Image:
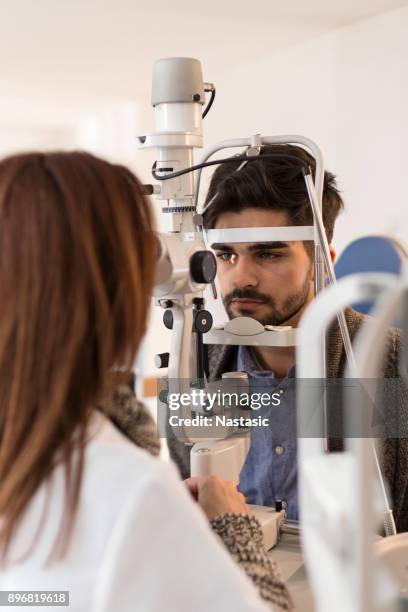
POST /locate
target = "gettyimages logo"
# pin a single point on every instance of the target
(209, 400)
(220, 408)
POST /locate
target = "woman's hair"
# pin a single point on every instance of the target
(77, 260)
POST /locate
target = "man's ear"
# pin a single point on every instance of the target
(333, 253)
(333, 256)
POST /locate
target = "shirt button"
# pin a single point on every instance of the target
(279, 450)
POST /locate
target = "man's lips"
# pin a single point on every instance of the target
(246, 303)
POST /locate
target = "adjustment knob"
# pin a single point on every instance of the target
(161, 360)
(168, 319)
(203, 267)
(202, 321)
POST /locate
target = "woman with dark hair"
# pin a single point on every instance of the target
(84, 506)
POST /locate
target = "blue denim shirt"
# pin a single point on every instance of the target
(270, 469)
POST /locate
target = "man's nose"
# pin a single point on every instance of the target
(244, 274)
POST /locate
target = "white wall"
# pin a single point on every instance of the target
(348, 90)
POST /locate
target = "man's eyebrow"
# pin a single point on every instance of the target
(255, 246)
(218, 246)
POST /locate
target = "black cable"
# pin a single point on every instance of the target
(229, 160)
(210, 103)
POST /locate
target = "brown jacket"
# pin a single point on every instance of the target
(394, 451)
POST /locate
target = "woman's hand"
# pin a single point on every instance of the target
(216, 496)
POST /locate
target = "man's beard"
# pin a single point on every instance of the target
(290, 308)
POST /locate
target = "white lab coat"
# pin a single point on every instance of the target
(139, 541)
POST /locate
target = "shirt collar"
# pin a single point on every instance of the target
(247, 362)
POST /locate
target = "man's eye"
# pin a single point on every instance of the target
(224, 256)
(268, 255)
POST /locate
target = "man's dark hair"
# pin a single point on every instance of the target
(275, 184)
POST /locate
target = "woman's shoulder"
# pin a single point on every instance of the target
(113, 461)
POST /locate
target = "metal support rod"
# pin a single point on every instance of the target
(328, 263)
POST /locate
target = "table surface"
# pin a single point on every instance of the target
(289, 557)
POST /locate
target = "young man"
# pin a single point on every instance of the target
(273, 283)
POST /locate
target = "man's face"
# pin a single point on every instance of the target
(271, 282)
